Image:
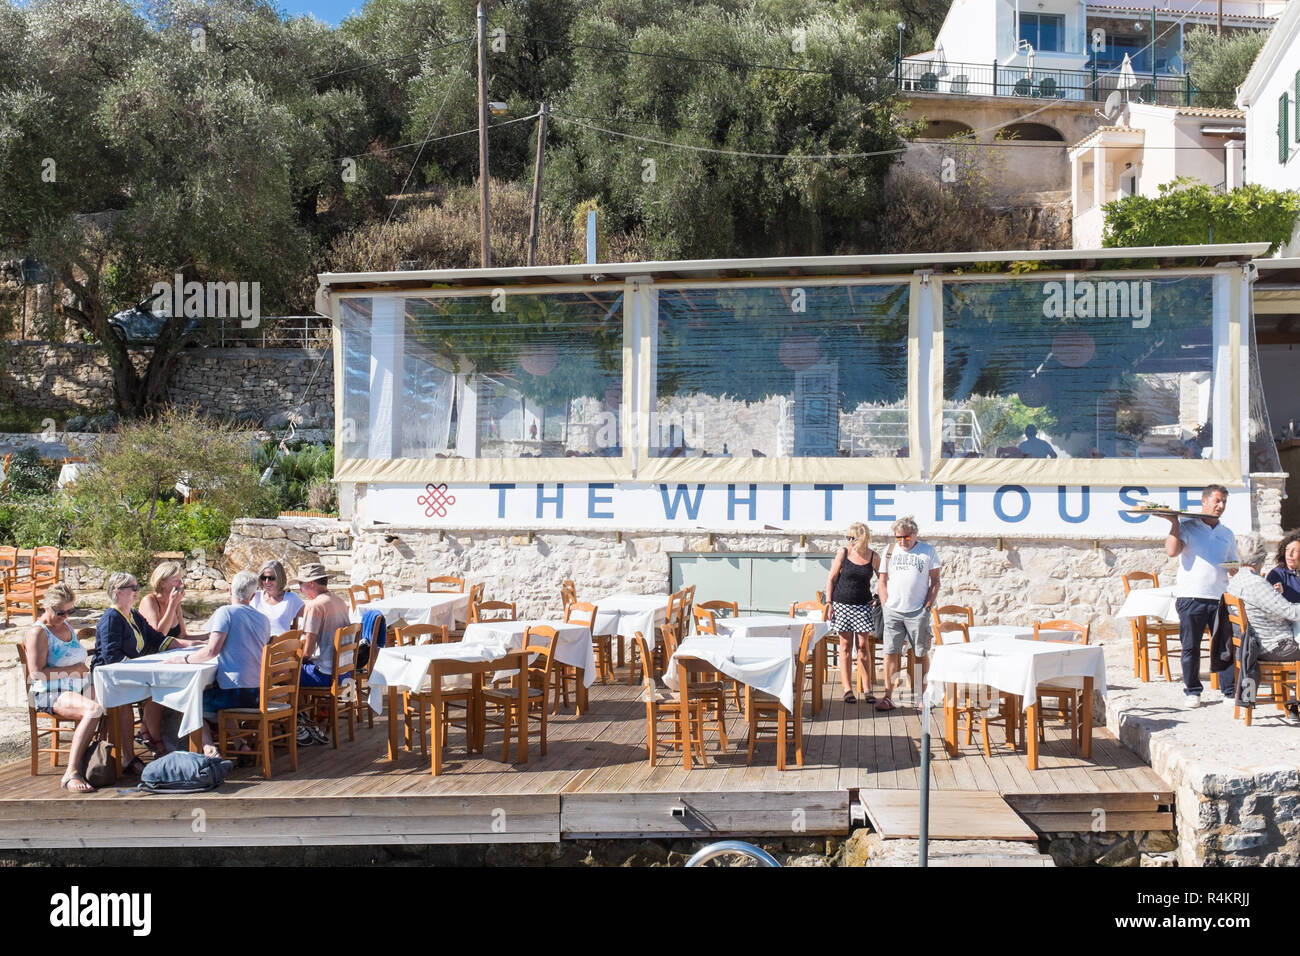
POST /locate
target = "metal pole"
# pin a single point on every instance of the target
(534, 219)
(925, 779)
(1220, 17)
(484, 217)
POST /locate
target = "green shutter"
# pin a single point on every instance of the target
(1283, 142)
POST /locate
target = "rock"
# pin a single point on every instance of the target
(858, 847)
(1158, 859)
(810, 859)
(1157, 841)
(1071, 851)
(1122, 854)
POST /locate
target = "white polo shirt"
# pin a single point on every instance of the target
(1200, 574)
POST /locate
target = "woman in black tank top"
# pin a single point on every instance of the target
(848, 588)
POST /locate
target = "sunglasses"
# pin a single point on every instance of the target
(64, 613)
(129, 587)
(267, 577)
(903, 537)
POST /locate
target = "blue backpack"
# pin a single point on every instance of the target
(374, 632)
(183, 772)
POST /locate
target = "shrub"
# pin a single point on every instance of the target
(128, 508)
(320, 496)
(1189, 213)
(27, 476)
(292, 472)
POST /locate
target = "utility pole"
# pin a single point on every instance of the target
(1220, 17)
(484, 217)
(534, 220)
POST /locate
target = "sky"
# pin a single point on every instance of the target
(330, 11)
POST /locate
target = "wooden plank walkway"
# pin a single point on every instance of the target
(954, 815)
(594, 781)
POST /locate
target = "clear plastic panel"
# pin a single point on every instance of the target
(789, 372)
(1088, 367)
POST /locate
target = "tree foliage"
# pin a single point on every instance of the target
(1219, 64)
(1190, 213)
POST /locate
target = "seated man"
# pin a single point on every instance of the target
(238, 634)
(1269, 614)
(1035, 447)
(322, 615)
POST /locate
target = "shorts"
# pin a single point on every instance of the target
(313, 676)
(224, 698)
(907, 628)
(44, 696)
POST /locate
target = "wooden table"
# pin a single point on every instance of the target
(791, 628)
(163, 677)
(1017, 668)
(437, 669)
(572, 647)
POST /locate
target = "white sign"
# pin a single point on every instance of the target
(1080, 510)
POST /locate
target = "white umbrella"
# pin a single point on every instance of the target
(1127, 78)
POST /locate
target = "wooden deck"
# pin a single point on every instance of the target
(594, 782)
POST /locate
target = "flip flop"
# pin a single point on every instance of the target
(885, 704)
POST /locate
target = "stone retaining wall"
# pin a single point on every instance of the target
(266, 383)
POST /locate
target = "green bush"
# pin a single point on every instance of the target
(293, 472)
(27, 477)
(48, 521)
(1187, 214)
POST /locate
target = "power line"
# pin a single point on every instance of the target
(435, 139)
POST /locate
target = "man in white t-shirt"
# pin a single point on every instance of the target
(909, 584)
(1202, 545)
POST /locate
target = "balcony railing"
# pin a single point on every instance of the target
(995, 79)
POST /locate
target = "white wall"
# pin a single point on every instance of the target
(967, 34)
(1262, 166)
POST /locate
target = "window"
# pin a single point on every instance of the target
(1043, 30)
(484, 376)
(781, 372)
(1101, 367)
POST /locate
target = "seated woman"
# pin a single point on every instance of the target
(59, 679)
(279, 606)
(1270, 614)
(123, 633)
(161, 607)
(1285, 577)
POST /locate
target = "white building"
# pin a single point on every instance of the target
(1148, 147)
(1064, 48)
(1271, 98)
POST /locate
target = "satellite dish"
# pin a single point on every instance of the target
(1176, 65)
(1113, 103)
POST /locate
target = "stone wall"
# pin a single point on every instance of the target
(266, 384)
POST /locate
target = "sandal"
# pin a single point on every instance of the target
(78, 781)
(868, 698)
(885, 704)
(134, 768)
(849, 698)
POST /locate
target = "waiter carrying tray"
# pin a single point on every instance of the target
(1202, 545)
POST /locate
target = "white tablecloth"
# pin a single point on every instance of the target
(164, 677)
(626, 614)
(1150, 602)
(415, 607)
(1016, 667)
(771, 625)
(406, 667)
(69, 473)
(572, 647)
(993, 632)
(763, 663)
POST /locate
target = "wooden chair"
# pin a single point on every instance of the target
(42, 724)
(1280, 677)
(568, 594)
(974, 708)
(445, 584)
(20, 597)
(420, 634)
(342, 694)
(671, 616)
(538, 676)
(358, 594)
(602, 645)
(1069, 632)
(274, 720)
(471, 609)
(1145, 629)
(706, 688)
(489, 611)
(705, 621)
(819, 611)
(9, 562)
(763, 711)
(718, 607)
(684, 620)
(664, 708)
(374, 590)
(45, 564)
